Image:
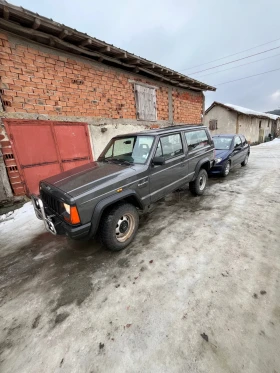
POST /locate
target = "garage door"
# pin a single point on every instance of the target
(45, 148)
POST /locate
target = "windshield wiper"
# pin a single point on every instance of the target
(123, 161)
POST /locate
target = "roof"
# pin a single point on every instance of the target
(43, 30)
(160, 131)
(243, 110)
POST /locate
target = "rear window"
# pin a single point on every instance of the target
(197, 139)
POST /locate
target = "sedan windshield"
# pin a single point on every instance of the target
(222, 143)
(132, 149)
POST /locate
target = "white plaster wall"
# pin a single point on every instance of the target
(226, 120)
(248, 126)
(100, 139)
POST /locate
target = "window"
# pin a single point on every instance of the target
(133, 149)
(213, 124)
(222, 142)
(121, 146)
(169, 146)
(146, 104)
(260, 124)
(237, 142)
(196, 139)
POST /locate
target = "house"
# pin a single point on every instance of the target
(276, 112)
(229, 119)
(64, 94)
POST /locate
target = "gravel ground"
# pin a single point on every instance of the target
(197, 291)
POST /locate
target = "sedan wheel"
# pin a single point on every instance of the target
(226, 169)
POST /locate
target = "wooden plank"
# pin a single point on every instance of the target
(105, 49)
(6, 13)
(134, 61)
(120, 55)
(85, 43)
(36, 24)
(63, 34)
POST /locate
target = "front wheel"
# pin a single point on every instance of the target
(198, 186)
(119, 226)
(245, 160)
(226, 169)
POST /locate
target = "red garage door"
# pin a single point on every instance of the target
(45, 148)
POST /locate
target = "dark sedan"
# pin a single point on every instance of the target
(231, 150)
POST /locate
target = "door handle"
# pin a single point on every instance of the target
(143, 183)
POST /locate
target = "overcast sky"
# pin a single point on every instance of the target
(181, 34)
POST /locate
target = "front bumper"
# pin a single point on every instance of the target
(55, 225)
(217, 168)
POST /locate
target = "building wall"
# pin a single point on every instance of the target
(43, 83)
(226, 120)
(41, 80)
(247, 125)
(255, 129)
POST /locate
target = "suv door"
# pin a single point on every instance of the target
(199, 146)
(237, 151)
(166, 178)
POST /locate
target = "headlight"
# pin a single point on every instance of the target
(218, 160)
(67, 208)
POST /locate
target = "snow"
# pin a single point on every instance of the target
(272, 143)
(20, 226)
(251, 112)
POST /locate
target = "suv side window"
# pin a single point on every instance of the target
(169, 146)
(196, 139)
(237, 142)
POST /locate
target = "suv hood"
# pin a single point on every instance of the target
(80, 179)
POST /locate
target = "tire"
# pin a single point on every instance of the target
(244, 163)
(119, 226)
(198, 186)
(226, 169)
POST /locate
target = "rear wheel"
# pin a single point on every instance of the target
(198, 186)
(119, 226)
(245, 160)
(226, 169)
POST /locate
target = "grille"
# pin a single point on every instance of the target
(51, 202)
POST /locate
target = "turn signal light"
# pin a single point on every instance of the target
(74, 215)
(71, 214)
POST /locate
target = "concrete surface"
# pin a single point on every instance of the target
(197, 291)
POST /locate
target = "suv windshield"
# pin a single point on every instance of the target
(132, 149)
(222, 143)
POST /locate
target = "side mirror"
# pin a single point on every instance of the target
(238, 148)
(158, 161)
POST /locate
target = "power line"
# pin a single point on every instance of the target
(246, 77)
(234, 67)
(239, 59)
(234, 54)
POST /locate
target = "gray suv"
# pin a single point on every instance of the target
(133, 171)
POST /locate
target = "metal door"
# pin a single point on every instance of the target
(166, 178)
(44, 148)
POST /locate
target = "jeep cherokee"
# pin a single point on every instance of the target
(133, 171)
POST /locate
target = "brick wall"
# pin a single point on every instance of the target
(187, 107)
(34, 81)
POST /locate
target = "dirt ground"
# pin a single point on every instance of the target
(197, 291)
